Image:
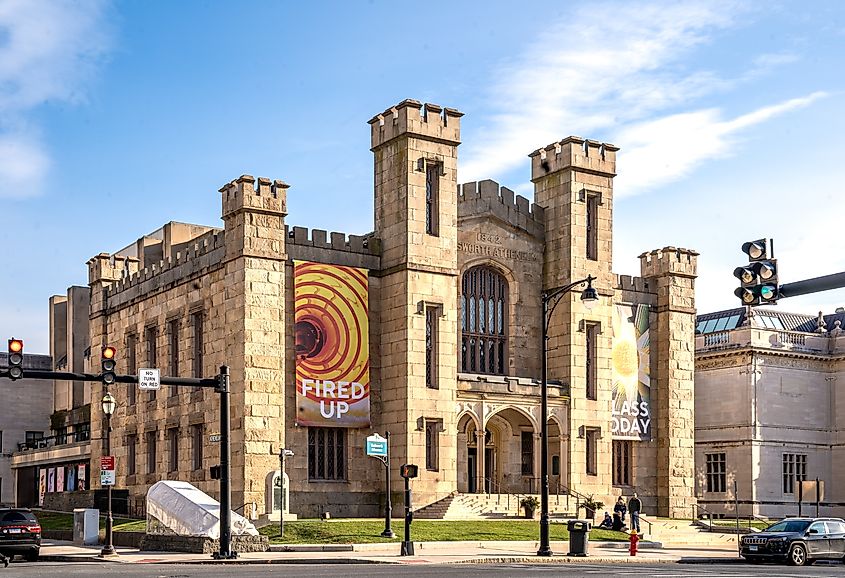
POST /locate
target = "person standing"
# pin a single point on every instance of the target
(634, 507)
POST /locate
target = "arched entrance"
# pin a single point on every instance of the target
(501, 459)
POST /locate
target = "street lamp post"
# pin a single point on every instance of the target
(283, 453)
(109, 404)
(589, 297)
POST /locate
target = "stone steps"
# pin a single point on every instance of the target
(684, 533)
(486, 507)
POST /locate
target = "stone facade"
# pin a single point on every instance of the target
(769, 396)
(465, 408)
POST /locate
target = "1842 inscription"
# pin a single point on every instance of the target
(490, 245)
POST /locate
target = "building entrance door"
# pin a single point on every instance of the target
(471, 460)
(489, 469)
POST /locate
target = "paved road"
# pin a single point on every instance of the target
(66, 570)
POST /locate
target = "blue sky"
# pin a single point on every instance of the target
(116, 117)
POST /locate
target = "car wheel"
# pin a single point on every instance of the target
(797, 555)
(31, 556)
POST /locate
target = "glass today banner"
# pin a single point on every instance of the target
(631, 377)
(332, 345)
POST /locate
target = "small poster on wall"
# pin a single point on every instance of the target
(42, 485)
(71, 479)
(60, 479)
(81, 484)
(51, 480)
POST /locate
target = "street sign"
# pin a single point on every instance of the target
(376, 446)
(107, 474)
(214, 438)
(149, 379)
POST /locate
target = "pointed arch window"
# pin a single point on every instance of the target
(484, 309)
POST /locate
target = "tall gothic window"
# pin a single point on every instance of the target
(484, 310)
(432, 198)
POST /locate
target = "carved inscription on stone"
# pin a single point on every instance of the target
(490, 245)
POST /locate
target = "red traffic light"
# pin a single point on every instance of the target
(109, 352)
(15, 358)
(15, 345)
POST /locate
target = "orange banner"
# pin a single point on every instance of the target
(332, 345)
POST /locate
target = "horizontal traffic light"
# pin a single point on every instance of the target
(15, 358)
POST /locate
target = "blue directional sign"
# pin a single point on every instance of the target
(376, 446)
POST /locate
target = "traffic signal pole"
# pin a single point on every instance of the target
(814, 285)
(221, 385)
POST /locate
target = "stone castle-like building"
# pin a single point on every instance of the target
(454, 276)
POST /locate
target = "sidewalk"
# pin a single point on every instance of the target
(424, 553)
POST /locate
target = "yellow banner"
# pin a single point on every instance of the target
(631, 373)
(332, 345)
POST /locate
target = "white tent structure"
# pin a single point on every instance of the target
(180, 508)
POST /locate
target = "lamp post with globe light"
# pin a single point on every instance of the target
(109, 405)
(589, 298)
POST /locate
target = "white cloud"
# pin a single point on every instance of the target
(606, 64)
(626, 71)
(49, 50)
(662, 150)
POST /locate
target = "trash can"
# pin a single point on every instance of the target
(86, 526)
(579, 537)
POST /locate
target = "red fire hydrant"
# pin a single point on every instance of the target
(634, 539)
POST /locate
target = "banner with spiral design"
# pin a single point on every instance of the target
(332, 332)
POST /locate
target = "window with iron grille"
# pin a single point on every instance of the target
(484, 310)
(173, 443)
(326, 453)
(152, 352)
(432, 444)
(716, 472)
(527, 462)
(622, 462)
(196, 446)
(592, 332)
(794, 471)
(432, 198)
(131, 364)
(152, 455)
(131, 457)
(592, 227)
(197, 323)
(173, 350)
(431, 316)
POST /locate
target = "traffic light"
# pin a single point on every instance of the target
(15, 358)
(409, 471)
(758, 279)
(108, 365)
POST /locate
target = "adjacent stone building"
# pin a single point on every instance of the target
(769, 408)
(448, 353)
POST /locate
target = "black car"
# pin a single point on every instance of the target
(20, 533)
(798, 541)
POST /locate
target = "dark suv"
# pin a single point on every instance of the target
(799, 541)
(20, 533)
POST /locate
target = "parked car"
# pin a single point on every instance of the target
(798, 541)
(20, 533)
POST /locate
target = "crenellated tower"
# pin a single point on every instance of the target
(254, 215)
(573, 182)
(671, 272)
(416, 205)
